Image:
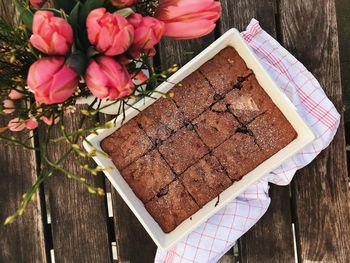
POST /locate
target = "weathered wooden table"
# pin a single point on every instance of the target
(66, 224)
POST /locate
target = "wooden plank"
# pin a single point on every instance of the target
(231, 256)
(343, 21)
(23, 240)
(238, 14)
(227, 259)
(79, 219)
(133, 242)
(271, 239)
(181, 51)
(320, 191)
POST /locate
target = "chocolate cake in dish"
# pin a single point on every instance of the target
(172, 206)
(183, 149)
(127, 144)
(239, 155)
(148, 175)
(225, 70)
(193, 95)
(214, 127)
(160, 120)
(179, 154)
(205, 180)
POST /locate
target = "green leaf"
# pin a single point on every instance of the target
(91, 52)
(74, 15)
(88, 6)
(25, 14)
(53, 10)
(78, 62)
(66, 5)
(74, 22)
(125, 11)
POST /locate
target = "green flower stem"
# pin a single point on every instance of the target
(70, 175)
(17, 142)
(97, 151)
(78, 133)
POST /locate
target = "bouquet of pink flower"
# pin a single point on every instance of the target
(72, 49)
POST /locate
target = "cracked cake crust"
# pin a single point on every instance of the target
(205, 180)
(148, 175)
(183, 149)
(127, 144)
(172, 207)
(224, 70)
(193, 95)
(160, 120)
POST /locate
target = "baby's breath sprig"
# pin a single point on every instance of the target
(50, 167)
(147, 7)
(16, 56)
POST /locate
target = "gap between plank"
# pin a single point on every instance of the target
(44, 206)
(109, 204)
(52, 255)
(114, 251)
(295, 244)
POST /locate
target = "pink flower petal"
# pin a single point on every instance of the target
(92, 24)
(39, 43)
(63, 85)
(31, 124)
(41, 71)
(96, 80)
(16, 125)
(58, 45)
(189, 30)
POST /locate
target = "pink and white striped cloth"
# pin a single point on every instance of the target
(218, 234)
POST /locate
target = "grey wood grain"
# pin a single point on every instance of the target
(320, 191)
(343, 21)
(181, 51)
(271, 239)
(79, 219)
(23, 240)
(227, 259)
(238, 14)
(133, 242)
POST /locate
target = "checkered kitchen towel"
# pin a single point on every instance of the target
(219, 233)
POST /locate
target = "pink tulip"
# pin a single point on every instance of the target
(16, 124)
(37, 3)
(31, 124)
(16, 94)
(51, 35)
(148, 32)
(106, 78)
(110, 33)
(123, 3)
(186, 19)
(9, 106)
(48, 120)
(51, 80)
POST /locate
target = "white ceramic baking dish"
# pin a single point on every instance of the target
(305, 136)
